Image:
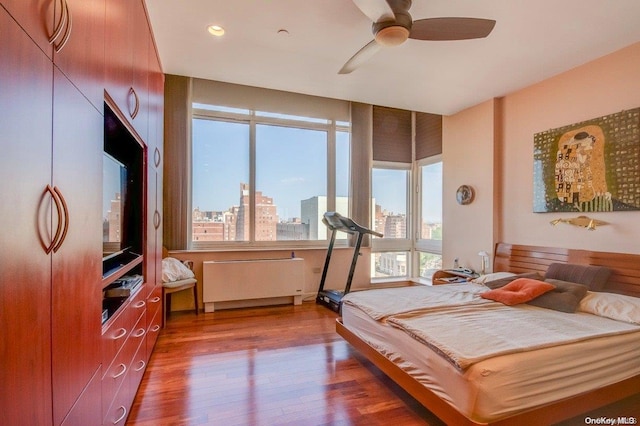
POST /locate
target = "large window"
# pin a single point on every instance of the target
(261, 177)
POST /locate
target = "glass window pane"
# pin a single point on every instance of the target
(389, 188)
(391, 264)
(431, 211)
(429, 263)
(220, 159)
(291, 183)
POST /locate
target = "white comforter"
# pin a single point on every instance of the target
(464, 328)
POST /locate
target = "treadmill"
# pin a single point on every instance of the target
(332, 299)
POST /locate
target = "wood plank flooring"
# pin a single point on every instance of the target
(282, 365)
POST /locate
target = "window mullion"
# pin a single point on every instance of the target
(252, 178)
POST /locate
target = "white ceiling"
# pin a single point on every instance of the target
(532, 40)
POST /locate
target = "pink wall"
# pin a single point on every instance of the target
(604, 86)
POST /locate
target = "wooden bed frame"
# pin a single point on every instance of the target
(625, 279)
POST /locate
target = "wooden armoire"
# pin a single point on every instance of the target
(62, 63)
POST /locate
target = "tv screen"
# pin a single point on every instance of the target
(114, 194)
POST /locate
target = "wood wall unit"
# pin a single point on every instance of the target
(58, 360)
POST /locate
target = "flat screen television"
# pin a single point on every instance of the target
(114, 194)
(122, 195)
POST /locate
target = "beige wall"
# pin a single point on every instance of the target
(467, 153)
(607, 85)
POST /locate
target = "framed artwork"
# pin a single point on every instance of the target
(591, 166)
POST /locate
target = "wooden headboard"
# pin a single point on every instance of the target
(625, 267)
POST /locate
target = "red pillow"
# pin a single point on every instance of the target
(518, 291)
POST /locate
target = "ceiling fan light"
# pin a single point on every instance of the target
(215, 30)
(393, 35)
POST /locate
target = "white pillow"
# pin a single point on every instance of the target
(611, 305)
(491, 277)
(174, 270)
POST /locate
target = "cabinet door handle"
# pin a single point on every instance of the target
(123, 369)
(123, 332)
(67, 32)
(61, 24)
(156, 219)
(139, 333)
(156, 157)
(49, 189)
(155, 328)
(142, 365)
(122, 417)
(155, 300)
(66, 219)
(132, 91)
(139, 304)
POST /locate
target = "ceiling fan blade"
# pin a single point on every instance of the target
(362, 56)
(442, 29)
(376, 10)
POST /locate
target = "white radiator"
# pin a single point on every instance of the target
(235, 280)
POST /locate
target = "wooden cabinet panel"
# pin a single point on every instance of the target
(119, 53)
(84, 411)
(80, 53)
(77, 263)
(25, 212)
(140, 65)
(37, 19)
(126, 80)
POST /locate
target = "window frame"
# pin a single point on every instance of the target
(254, 118)
(423, 245)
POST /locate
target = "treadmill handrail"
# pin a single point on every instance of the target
(335, 221)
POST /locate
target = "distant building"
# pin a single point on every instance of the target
(312, 211)
(113, 220)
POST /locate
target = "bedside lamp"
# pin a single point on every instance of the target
(485, 261)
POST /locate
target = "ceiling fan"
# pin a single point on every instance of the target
(393, 25)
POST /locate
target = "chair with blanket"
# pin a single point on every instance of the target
(177, 276)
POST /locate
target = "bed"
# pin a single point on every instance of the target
(542, 384)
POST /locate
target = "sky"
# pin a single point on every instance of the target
(291, 165)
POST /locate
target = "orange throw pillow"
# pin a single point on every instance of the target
(518, 291)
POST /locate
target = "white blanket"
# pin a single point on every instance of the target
(466, 334)
(382, 303)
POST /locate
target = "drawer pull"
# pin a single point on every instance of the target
(139, 333)
(124, 370)
(155, 328)
(122, 417)
(155, 300)
(121, 334)
(142, 365)
(140, 304)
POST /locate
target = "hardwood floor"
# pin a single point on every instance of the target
(281, 365)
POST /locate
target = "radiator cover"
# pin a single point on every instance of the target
(236, 280)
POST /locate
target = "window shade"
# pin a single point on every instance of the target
(391, 135)
(428, 135)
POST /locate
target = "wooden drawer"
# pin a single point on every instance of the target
(115, 377)
(138, 304)
(138, 366)
(115, 336)
(119, 409)
(153, 331)
(154, 302)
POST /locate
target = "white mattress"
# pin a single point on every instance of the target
(504, 385)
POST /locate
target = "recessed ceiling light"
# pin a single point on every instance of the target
(215, 30)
